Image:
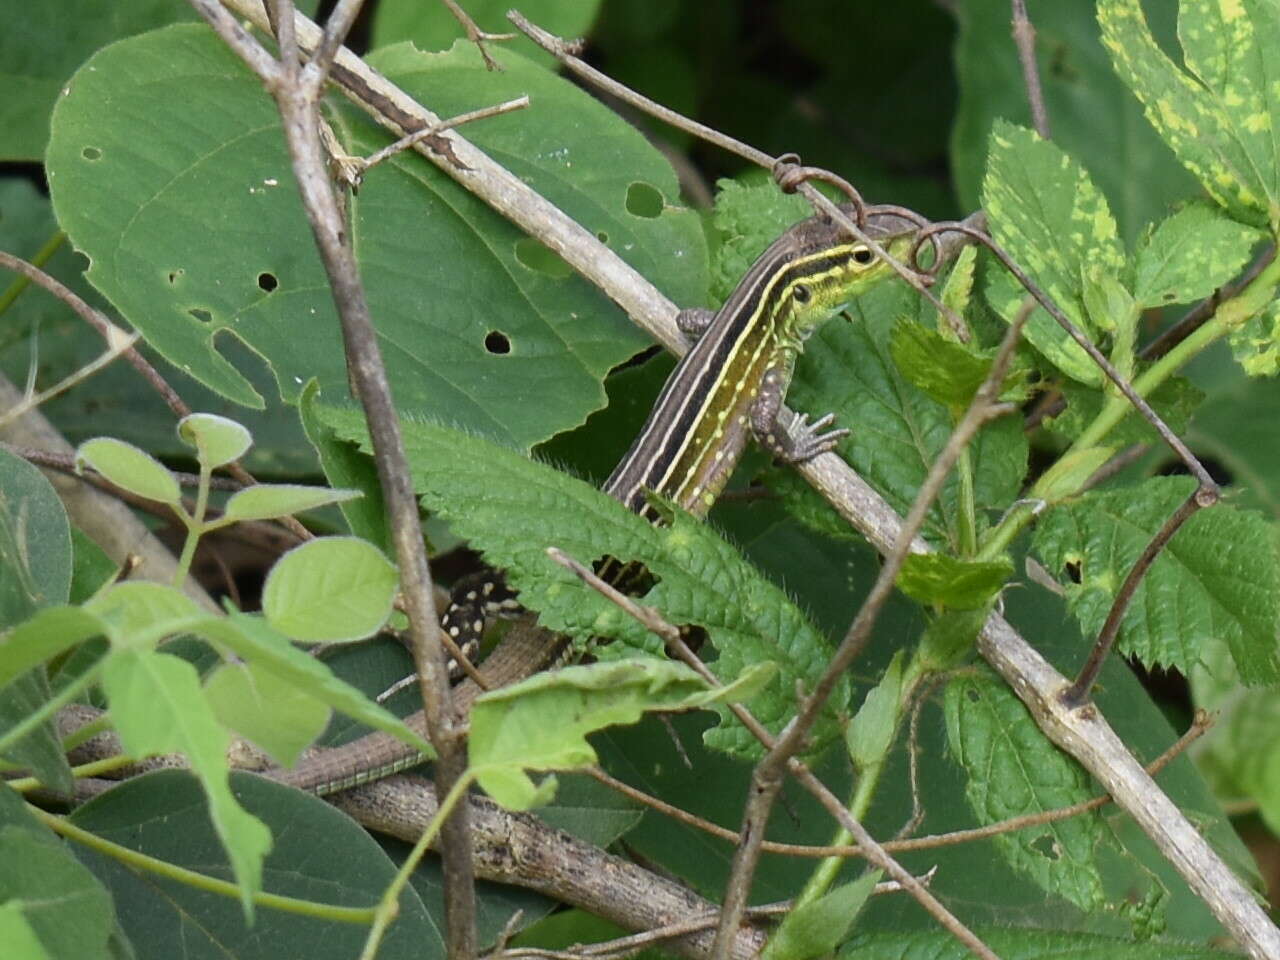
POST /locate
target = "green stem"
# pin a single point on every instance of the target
(20, 283)
(390, 903)
(91, 769)
(968, 505)
(306, 908)
(824, 875)
(47, 709)
(87, 732)
(195, 526)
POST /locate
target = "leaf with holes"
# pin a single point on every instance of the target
(195, 233)
(701, 580)
(1217, 578)
(1014, 771)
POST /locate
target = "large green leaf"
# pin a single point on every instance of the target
(1014, 771)
(195, 233)
(1092, 115)
(1216, 579)
(1020, 944)
(320, 854)
(35, 542)
(1220, 121)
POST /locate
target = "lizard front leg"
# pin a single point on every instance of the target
(804, 440)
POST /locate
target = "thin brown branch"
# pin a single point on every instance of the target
(297, 100)
(411, 139)
(476, 35)
(1024, 38)
(1078, 692)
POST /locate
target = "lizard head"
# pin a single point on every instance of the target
(827, 269)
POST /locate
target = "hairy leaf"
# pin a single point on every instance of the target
(1217, 578)
(702, 580)
(1014, 771)
(951, 581)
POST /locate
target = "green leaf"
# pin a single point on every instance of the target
(1093, 115)
(701, 579)
(947, 371)
(747, 218)
(1189, 255)
(937, 578)
(433, 27)
(1217, 578)
(1046, 212)
(16, 932)
(1014, 771)
(61, 905)
(949, 637)
(252, 639)
(45, 635)
(266, 710)
(346, 467)
(40, 751)
(130, 468)
(440, 268)
(91, 568)
(816, 928)
(35, 542)
(870, 733)
(218, 440)
(1020, 943)
(139, 614)
(898, 430)
(1219, 121)
(157, 706)
(1242, 751)
(542, 722)
(329, 590)
(266, 501)
(1256, 343)
(320, 854)
(38, 54)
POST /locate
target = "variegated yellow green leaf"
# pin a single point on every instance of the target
(1256, 344)
(1221, 125)
(1045, 210)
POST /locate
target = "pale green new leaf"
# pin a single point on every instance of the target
(157, 706)
(218, 440)
(1218, 578)
(140, 614)
(1222, 127)
(870, 733)
(816, 928)
(702, 580)
(1046, 212)
(329, 590)
(45, 635)
(938, 578)
(130, 468)
(270, 712)
(253, 640)
(266, 501)
(1013, 771)
(542, 723)
(1189, 255)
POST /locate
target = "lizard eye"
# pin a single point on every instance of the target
(863, 255)
(801, 293)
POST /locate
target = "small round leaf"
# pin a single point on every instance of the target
(329, 590)
(129, 468)
(217, 440)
